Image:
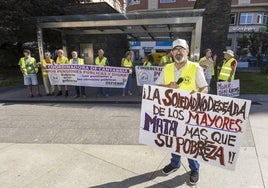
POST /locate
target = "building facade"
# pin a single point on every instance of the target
(246, 15)
(139, 5)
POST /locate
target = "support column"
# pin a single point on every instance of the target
(64, 43)
(196, 40)
(40, 43)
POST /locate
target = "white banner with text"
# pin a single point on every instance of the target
(203, 127)
(147, 74)
(228, 89)
(88, 75)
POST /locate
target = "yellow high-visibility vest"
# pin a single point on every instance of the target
(188, 74)
(128, 63)
(102, 62)
(62, 60)
(80, 61)
(147, 64)
(23, 65)
(212, 68)
(165, 59)
(226, 70)
(44, 63)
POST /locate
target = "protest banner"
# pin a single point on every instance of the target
(88, 75)
(228, 89)
(203, 127)
(147, 75)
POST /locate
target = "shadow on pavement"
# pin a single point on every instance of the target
(150, 176)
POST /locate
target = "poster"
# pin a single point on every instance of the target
(228, 89)
(147, 74)
(203, 127)
(88, 75)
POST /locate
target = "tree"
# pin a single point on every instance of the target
(258, 40)
(216, 19)
(18, 23)
(242, 46)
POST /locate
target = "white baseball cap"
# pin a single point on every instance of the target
(230, 52)
(180, 42)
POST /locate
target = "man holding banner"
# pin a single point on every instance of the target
(185, 75)
(100, 60)
(79, 90)
(227, 86)
(228, 68)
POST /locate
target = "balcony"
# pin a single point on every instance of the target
(115, 4)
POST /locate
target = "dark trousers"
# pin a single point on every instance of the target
(83, 90)
(103, 91)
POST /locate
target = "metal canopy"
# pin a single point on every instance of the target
(138, 26)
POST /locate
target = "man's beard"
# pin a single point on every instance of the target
(180, 59)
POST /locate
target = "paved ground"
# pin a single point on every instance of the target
(95, 144)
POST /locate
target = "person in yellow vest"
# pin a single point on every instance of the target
(146, 62)
(50, 89)
(191, 77)
(227, 71)
(102, 61)
(79, 90)
(166, 59)
(29, 69)
(61, 59)
(127, 62)
(208, 63)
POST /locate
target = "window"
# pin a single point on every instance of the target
(243, 2)
(232, 18)
(262, 18)
(246, 18)
(132, 2)
(167, 1)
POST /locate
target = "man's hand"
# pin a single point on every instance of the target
(173, 85)
(215, 57)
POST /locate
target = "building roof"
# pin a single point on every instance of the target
(141, 26)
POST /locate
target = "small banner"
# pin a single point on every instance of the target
(203, 127)
(147, 75)
(88, 75)
(228, 89)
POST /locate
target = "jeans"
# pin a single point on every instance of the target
(208, 82)
(129, 84)
(30, 79)
(77, 90)
(176, 161)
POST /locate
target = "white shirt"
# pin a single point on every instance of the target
(207, 71)
(200, 80)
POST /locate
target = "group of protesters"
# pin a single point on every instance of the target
(29, 68)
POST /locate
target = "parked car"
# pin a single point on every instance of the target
(242, 63)
(265, 60)
(156, 57)
(252, 60)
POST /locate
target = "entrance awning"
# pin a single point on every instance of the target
(138, 26)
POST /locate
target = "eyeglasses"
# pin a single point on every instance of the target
(178, 49)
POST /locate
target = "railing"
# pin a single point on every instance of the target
(113, 3)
